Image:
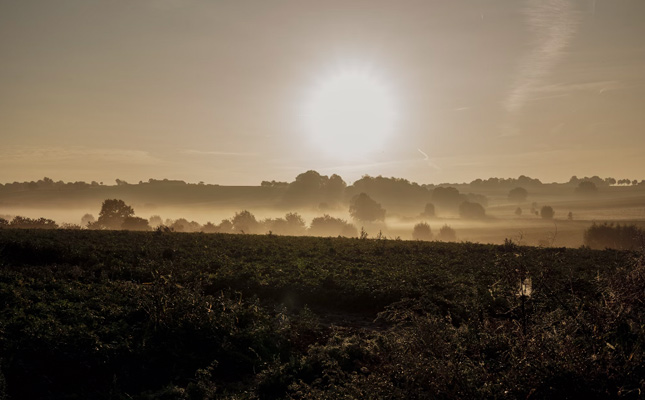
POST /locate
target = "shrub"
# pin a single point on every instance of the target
(135, 224)
(245, 222)
(625, 237)
(447, 234)
(422, 231)
(330, 226)
(29, 223)
(547, 212)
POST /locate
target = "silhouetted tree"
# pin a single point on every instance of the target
(113, 213)
(183, 225)
(446, 197)
(447, 234)
(330, 226)
(87, 219)
(292, 224)
(364, 208)
(626, 237)
(155, 221)
(546, 212)
(209, 227)
(245, 222)
(471, 210)
(393, 193)
(312, 188)
(474, 198)
(274, 184)
(422, 231)
(508, 182)
(29, 223)
(3, 223)
(226, 226)
(334, 188)
(428, 211)
(517, 195)
(135, 224)
(586, 187)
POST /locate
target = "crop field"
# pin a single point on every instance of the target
(166, 315)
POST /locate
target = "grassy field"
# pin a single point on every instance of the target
(147, 315)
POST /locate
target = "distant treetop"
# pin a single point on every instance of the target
(520, 181)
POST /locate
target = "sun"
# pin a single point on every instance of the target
(350, 113)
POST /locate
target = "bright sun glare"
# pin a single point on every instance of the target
(350, 113)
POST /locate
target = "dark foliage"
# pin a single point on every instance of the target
(447, 234)
(610, 236)
(330, 226)
(363, 208)
(518, 195)
(428, 211)
(32, 223)
(422, 231)
(471, 210)
(151, 315)
(546, 212)
(586, 188)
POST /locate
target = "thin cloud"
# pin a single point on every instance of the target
(42, 155)
(566, 88)
(553, 24)
(217, 153)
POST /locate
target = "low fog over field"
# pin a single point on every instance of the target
(524, 210)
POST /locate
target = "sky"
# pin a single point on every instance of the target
(224, 91)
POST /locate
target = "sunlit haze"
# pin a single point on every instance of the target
(238, 92)
(350, 114)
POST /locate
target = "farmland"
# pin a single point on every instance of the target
(117, 314)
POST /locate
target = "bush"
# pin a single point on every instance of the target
(625, 237)
(292, 225)
(422, 231)
(330, 226)
(135, 224)
(245, 222)
(447, 234)
(547, 212)
(29, 223)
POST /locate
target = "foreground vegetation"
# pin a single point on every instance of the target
(116, 314)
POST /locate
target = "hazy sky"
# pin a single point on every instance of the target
(214, 91)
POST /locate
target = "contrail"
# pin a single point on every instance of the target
(428, 161)
(553, 24)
